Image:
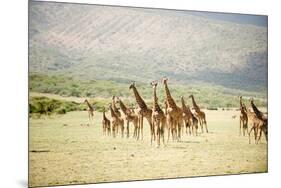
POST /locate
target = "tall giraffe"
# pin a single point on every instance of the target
(200, 114)
(189, 119)
(90, 109)
(258, 126)
(116, 122)
(130, 116)
(143, 111)
(174, 111)
(158, 117)
(262, 123)
(105, 124)
(243, 117)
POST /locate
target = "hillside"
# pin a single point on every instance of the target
(123, 44)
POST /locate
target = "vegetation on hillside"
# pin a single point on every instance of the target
(100, 93)
(112, 43)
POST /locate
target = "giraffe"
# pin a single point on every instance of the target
(130, 116)
(90, 109)
(105, 124)
(168, 118)
(258, 126)
(116, 122)
(115, 109)
(189, 119)
(142, 111)
(260, 122)
(243, 118)
(174, 113)
(200, 114)
(158, 117)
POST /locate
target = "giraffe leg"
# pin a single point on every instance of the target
(158, 134)
(256, 134)
(247, 125)
(201, 124)
(259, 137)
(240, 127)
(128, 133)
(89, 116)
(162, 131)
(185, 124)
(151, 138)
(138, 130)
(250, 134)
(141, 127)
(205, 122)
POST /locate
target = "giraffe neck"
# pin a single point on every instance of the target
(184, 108)
(169, 98)
(156, 106)
(103, 113)
(194, 104)
(166, 107)
(139, 100)
(114, 106)
(256, 110)
(123, 107)
(113, 115)
(89, 105)
(241, 104)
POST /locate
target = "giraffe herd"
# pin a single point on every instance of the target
(172, 118)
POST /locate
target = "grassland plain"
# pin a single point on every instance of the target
(61, 151)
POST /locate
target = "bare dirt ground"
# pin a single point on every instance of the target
(61, 151)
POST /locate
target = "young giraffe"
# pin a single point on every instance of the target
(115, 109)
(142, 111)
(200, 114)
(158, 117)
(116, 122)
(90, 110)
(175, 113)
(105, 124)
(130, 116)
(189, 119)
(243, 118)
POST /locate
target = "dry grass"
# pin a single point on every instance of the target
(64, 152)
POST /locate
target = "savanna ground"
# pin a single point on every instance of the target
(61, 151)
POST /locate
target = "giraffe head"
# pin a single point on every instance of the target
(164, 80)
(154, 84)
(190, 96)
(132, 85)
(85, 100)
(182, 99)
(118, 100)
(251, 100)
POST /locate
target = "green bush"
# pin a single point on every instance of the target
(45, 105)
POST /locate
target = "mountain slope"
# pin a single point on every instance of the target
(117, 43)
